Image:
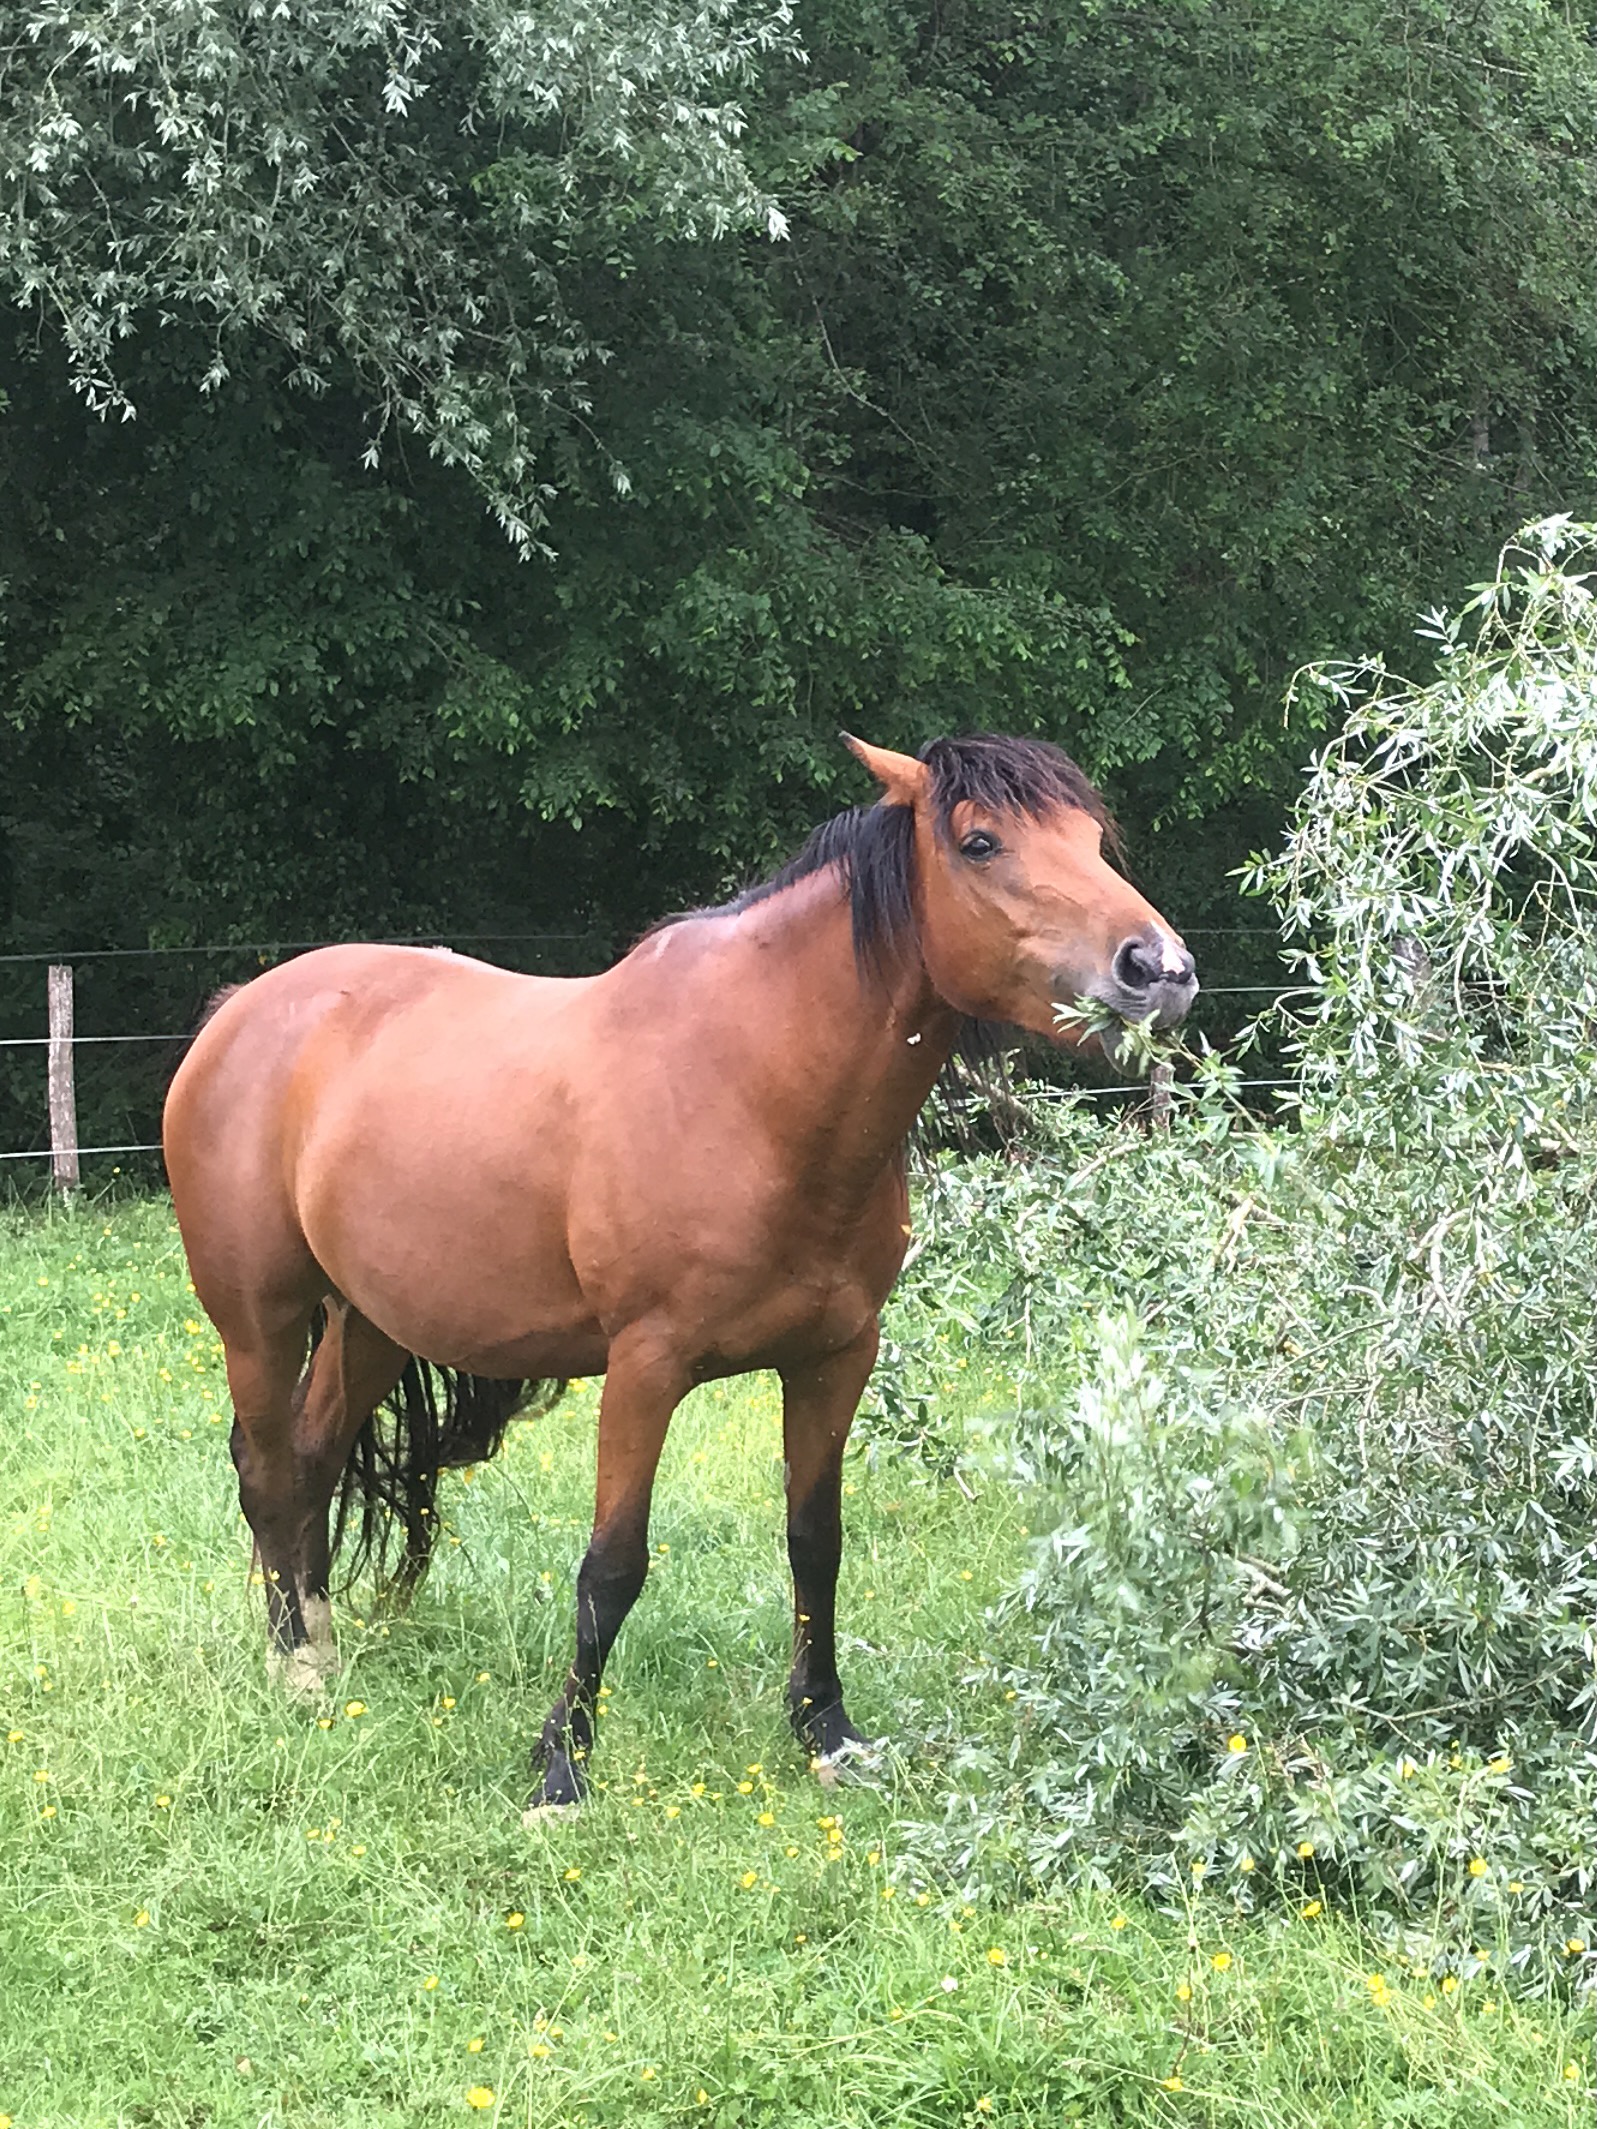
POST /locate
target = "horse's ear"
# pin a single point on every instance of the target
(901, 776)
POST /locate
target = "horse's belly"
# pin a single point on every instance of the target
(468, 1270)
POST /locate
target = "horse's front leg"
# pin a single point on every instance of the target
(643, 1387)
(818, 1405)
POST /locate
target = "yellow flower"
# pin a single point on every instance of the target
(15, 1737)
(1516, 1885)
(1117, 1922)
(1171, 2084)
(745, 1788)
(647, 2075)
(766, 1818)
(1310, 1909)
(998, 1956)
(479, 2096)
(701, 2098)
(540, 2051)
(1502, 1764)
(1449, 1984)
(1198, 1870)
(163, 1803)
(573, 1874)
(1478, 1866)
(984, 2105)
(474, 2047)
(1574, 1946)
(1238, 1743)
(1305, 1849)
(41, 1774)
(431, 1982)
(1220, 1961)
(1246, 1863)
(142, 1919)
(514, 1920)
(749, 1877)
(354, 1708)
(1571, 2073)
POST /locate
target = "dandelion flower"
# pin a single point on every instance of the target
(15, 1737)
(1574, 1946)
(1305, 1849)
(1117, 1922)
(1184, 1992)
(479, 2096)
(766, 1818)
(1171, 2084)
(1478, 1866)
(1220, 1962)
(1310, 1909)
(474, 2046)
(163, 1803)
(354, 1709)
(1236, 1743)
(1246, 1863)
(431, 1982)
(573, 1874)
(1449, 1984)
(514, 1919)
(749, 1877)
(998, 1956)
(142, 1919)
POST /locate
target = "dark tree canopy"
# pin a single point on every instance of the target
(1116, 361)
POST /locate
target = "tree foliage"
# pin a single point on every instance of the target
(386, 188)
(1118, 361)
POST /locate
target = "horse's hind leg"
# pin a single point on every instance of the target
(291, 1439)
(263, 1374)
(353, 1369)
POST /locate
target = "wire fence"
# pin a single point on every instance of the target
(62, 1045)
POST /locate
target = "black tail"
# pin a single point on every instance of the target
(436, 1419)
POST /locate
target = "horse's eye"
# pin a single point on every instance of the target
(979, 844)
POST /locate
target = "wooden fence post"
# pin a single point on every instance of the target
(1159, 1083)
(63, 1098)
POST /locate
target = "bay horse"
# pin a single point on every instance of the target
(445, 1183)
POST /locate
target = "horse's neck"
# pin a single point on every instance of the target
(868, 1050)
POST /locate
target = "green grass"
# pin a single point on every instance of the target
(217, 1911)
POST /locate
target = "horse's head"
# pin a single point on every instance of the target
(1017, 908)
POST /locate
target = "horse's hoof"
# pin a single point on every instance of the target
(300, 1673)
(561, 1790)
(540, 1814)
(855, 1758)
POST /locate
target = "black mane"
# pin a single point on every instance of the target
(873, 847)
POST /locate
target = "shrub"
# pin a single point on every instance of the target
(1313, 1399)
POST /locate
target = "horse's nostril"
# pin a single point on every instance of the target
(1141, 963)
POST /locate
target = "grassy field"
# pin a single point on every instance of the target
(217, 1911)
